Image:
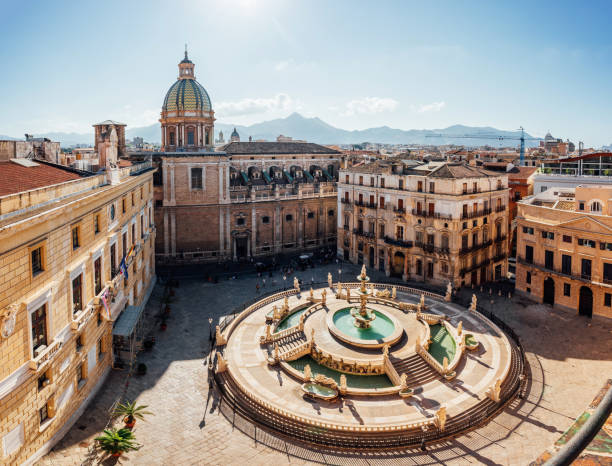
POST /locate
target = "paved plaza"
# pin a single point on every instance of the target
(569, 360)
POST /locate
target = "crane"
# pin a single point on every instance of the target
(499, 137)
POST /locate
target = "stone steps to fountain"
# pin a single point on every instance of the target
(291, 341)
(417, 370)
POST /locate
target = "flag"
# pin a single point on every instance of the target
(130, 252)
(123, 268)
(104, 298)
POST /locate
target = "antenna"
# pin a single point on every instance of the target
(185, 49)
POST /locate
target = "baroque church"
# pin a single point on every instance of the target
(241, 200)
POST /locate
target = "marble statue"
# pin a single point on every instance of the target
(474, 303)
(307, 373)
(445, 365)
(441, 417)
(296, 284)
(394, 293)
(449, 292)
(286, 304)
(323, 296)
(221, 364)
(422, 301)
(348, 293)
(329, 279)
(339, 293)
(311, 293)
(275, 313)
(363, 274)
(342, 383)
(219, 338)
(460, 328)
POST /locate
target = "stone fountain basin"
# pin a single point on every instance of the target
(363, 343)
(316, 390)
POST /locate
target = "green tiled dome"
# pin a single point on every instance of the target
(188, 95)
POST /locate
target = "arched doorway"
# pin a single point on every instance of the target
(398, 264)
(549, 291)
(585, 306)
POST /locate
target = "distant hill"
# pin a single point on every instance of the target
(316, 130)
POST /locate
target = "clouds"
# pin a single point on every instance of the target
(369, 105)
(250, 106)
(432, 107)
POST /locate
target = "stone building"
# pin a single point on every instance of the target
(31, 148)
(594, 169)
(109, 142)
(564, 249)
(246, 199)
(62, 238)
(436, 223)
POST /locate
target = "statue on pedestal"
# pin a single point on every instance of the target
(449, 292)
(329, 279)
(342, 383)
(323, 296)
(460, 328)
(441, 417)
(307, 373)
(445, 365)
(474, 303)
(296, 284)
(311, 294)
(394, 293)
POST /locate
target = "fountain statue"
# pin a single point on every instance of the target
(422, 301)
(441, 417)
(296, 284)
(307, 373)
(394, 292)
(329, 279)
(449, 292)
(363, 316)
(311, 294)
(460, 328)
(286, 304)
(343, 383)
(339, 292)
(323, 296)
(474, 303)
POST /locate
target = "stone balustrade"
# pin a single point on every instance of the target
(296, 352)
(40, 362)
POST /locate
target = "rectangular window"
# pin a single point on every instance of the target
(581, 206)
(100, 352)
(607, 272)
(567, 289)
(399, 232)
(113, 259)
(382, 230)
(98, 275)
(39, 328)
(37, 261)
(420, 186)
(549, 259)
(608, 300)
(347, 179)
(43, 413)
(464, 188)
(196, 178)
(77, 297)
(123, 205)
(382, 202)
(96, 224)
(588, 243)
(382, 182)
(464, 242)
(432, 187)
(566, 264)
(529, 254)
(401, 184)
(528, 278)
(75, 238)
(430, 239)
(586, 269)
(371, 181)
(80, 373)
(133, 201)
(361, 180)
(190, 137)
(567, 239)
(475, 187)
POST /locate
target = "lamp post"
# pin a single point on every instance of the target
(284, 282)
(340, 275)
(210, 320)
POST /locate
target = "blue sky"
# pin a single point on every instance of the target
(355, 64)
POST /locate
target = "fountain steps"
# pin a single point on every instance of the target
(417, 370)
(291, 341)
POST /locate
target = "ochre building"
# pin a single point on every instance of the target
(435, 223)
(244, 200)
(62, 238)
(564, 249)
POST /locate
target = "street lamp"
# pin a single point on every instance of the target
(284, 282)
(340, 275)
(210, 320)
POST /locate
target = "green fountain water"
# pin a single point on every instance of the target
(380, 328)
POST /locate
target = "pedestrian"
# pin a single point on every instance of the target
(264, 282)
(257, 287)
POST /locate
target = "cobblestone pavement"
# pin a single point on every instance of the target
(569, 359)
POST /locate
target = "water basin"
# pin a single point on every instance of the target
(380, 328)
(291, 320)
(319, 391)
(442, 344)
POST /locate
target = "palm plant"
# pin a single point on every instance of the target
(115, 441)
(131, 412)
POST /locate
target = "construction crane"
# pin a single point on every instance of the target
(499, 137)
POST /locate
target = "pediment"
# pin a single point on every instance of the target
(587, 223)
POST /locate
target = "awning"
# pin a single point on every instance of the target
(127, 321)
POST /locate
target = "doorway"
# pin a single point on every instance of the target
(241, 247)
(549, 291)
(398, 264)
(585, 306)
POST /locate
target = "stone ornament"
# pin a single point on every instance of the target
(449, 292)
(9, 321)
(307, 373)
(394, 293)
(441, 417)
(329, 279)
(474, 303)
(296, 284)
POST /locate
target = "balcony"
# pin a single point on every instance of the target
(500, 208)
(399, 210)
(365, 234)
(427, 214)
(345, 201)
(472, 267)
(427, 247)
(40, 362)
(500, 239)
(584, 277)
(479, 213)
(476, 247)
(398, 242)
(499, 257)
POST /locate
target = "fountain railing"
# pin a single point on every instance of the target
(284, 333)
(296, 352)
(377, 365)
(429, 359)
(391, 372)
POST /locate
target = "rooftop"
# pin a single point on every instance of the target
(110, 122)
(16, 177)
(239, 148)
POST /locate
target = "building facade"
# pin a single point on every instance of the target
(61, 245)
(243, 200)
(433, 223)
(564, 249)
(589, 169)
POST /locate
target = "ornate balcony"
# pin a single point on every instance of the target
(479, 213)
(427, 214)
(40, 362)
(398, 242)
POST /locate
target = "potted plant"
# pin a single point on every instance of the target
(131, 412)
(116, 442)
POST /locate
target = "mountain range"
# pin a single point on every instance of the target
(318, 131)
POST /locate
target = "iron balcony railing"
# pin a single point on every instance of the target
(472, 267)
(365, 234)
(500, 208)
(478, 213)
(583, 276)
(485, 244)
(398, 242)
(427, 214)
(399, 210)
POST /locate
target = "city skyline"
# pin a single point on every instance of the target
(354, 66)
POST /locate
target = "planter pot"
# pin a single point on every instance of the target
(116, 455)
(129, 424)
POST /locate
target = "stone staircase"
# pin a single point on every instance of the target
(417, 370)
(290, 341)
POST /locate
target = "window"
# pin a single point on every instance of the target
(432, 187)
(347, 179)
(371, 224)
(79, 343)
(465, 211)
(310, 215)
(133, 199)
(123, 205)
(586, 269)
(361, 180)
(566, 264)
(401, 184)
(196, 178)
(96, 224)
(528, 230)
(39, 328)
(360, 199)
(371, 181)
(444, 267)
(382, 230)
(430, 239)
(444, 241)
(419, 208)
(141, 193)
(190, 137)
(474, 239)
(430, 268)
(589, 243)
(80, 374)
(400, 204)
(382, 182)
(113, 259)
(464, 242)
(548, 234)
(37, 261)
(475, 187)
(265, 219)
(581, 206)
(112, 211)
(43, 413)
(608, 300)
(399, 232)
(98, 275)
(288, 217)
(567, 239)
(381, 201)
(100, 352)
(464, 188)
(567, 289)
(549, 258)
(595, 206)
(372, 203)
(528, 278)
(77, 297)
(346, 197)
(239, 221)
(607, 272)
(431, 209)
(75, 238)
(420, 186)
(330, 213)
(529, 254)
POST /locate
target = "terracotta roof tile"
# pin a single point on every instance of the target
(15, 178)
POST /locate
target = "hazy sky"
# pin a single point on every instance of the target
(355, 64)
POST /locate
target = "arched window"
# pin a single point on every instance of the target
(595, 206)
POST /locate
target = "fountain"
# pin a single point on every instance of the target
(363, 317)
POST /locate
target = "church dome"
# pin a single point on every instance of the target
(187, 94)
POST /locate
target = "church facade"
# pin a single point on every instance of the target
(243, 200)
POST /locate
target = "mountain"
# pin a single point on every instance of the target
(316, 130)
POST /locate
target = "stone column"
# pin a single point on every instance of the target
(388, 256)
(234, 244)
(163, 138)
(405, 274)
(172, 192)
(221, 238)
(253, 230)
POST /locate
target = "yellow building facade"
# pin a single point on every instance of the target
(564, 249)
(61, 290)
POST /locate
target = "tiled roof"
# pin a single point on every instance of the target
(237, 148)
(521, 172)
(187, 94)
(460, 170)
(15, 178)
(565, 205)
